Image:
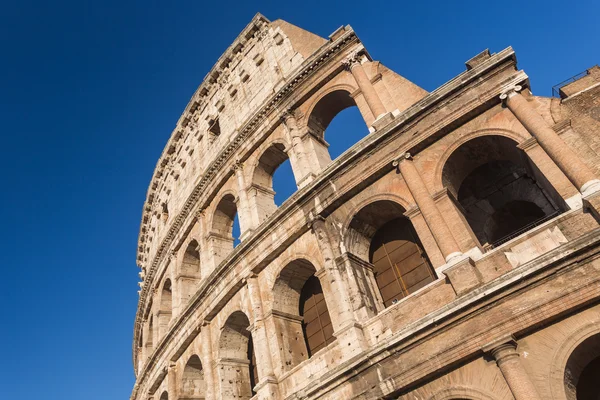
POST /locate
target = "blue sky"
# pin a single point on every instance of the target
(90, 92)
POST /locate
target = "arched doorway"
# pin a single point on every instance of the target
(380, 234)
(498, 189)
(192, 381)
(300, 313)
(237, 363)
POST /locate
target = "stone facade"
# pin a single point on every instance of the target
(450, 254)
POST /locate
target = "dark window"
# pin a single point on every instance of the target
(401, 266)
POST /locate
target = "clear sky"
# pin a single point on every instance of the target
(90, 92)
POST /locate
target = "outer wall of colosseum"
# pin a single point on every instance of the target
(450, 254)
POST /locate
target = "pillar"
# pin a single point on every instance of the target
(442, 234)
(331, 279)
(246, 222)
(309, 153)
(207, 361)
(352, 63)
(505, 353)
(172, 381)
(266, 386)
(297, 153)
(570, 164)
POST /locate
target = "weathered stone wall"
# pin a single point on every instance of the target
(498, 320)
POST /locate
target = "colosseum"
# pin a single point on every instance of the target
(452, 253)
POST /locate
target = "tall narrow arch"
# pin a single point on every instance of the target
(334, 124)
(301, 312)
(164, 395)
(238, 367)
(500, 192)
(262, 189)
(380, 234)
(193, 386)
(221, 238)
(190, 265)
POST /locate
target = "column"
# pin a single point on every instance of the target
(246, 223)
(298, 159)
(337, 299)
(207, 361)
(172, 381)
(437, 225)
(267, 382)
(508, 360)
(570, 164)
(352, 63)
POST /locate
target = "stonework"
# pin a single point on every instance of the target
(450, 254)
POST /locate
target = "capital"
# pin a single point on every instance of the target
(405, 156)
(351, 60)
(237, 166)
(510, 92)
(199, 213)
(315, 219)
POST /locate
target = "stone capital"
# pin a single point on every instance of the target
(237, 166)
(501, 347)
(351, 60)
(405, 156)
(510, 92)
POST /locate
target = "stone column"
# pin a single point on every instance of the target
(346, 329)
(352, 63)
(505, 353)
(266, 386)
(442, 234)
(570, 164)
(172, 381)
(207, 361)
(246, 223)
(298, 158)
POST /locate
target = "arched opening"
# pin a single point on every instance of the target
(221, 238)
(263, 190)
(336, 124)
(380, 234)
(166, 297)
(582, 372)
(191, 260)
(164, 396)
(499, 190)
(150, 334)
(300, 313)
(237, 361)
(192, 382)
(190, 272)
(165, 310)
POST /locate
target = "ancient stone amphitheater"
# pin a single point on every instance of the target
(452, 253)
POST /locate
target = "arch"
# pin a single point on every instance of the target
(192, 381)
(301, 312)
(380, 234)
(438, 178)
(236, 354)
(166, 296)
(262, 193)
(582, 370)
(190, 265)
(223, 216)
(499, 191)
(327, 106)
(164, 395)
